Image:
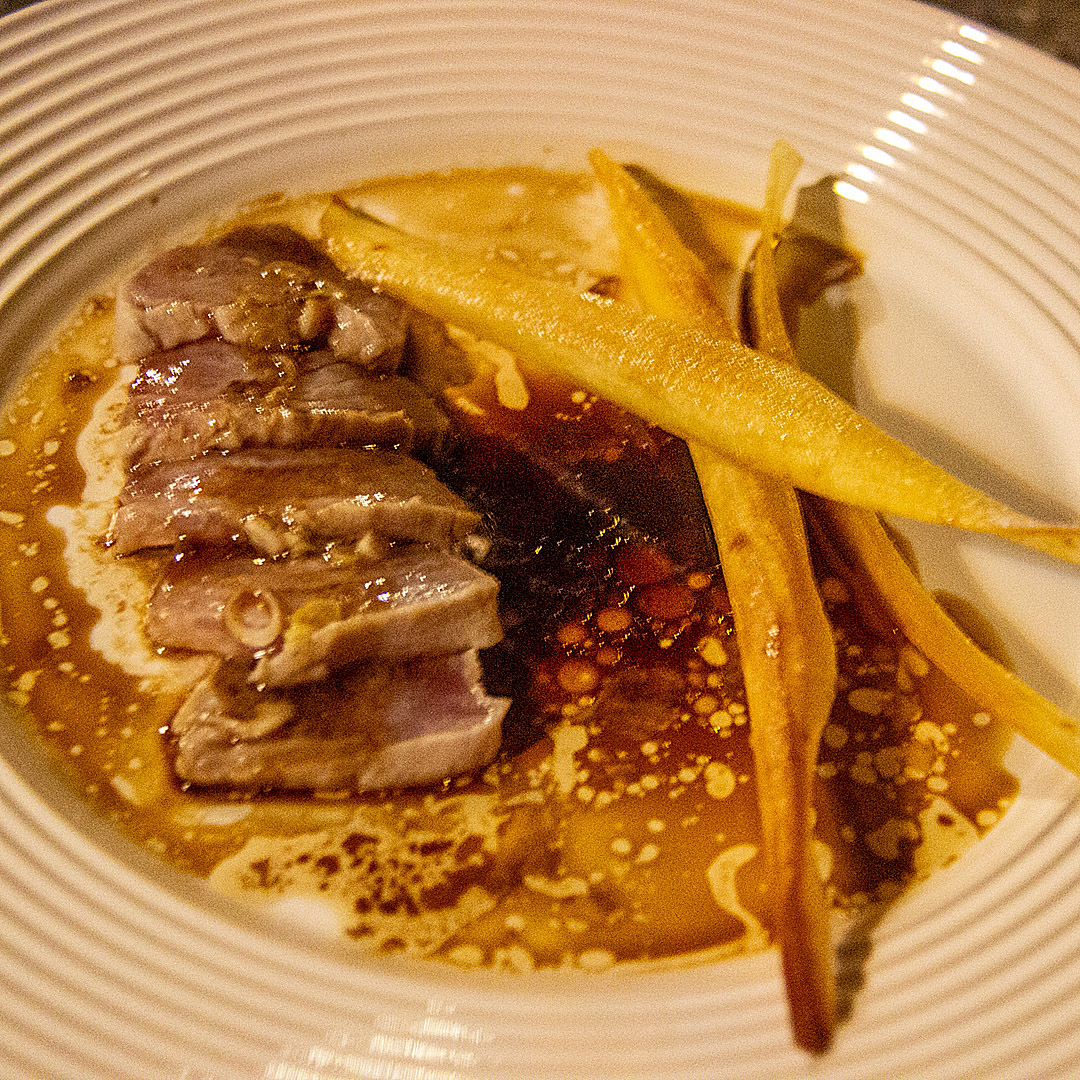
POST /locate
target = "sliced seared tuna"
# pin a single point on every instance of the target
(266, 440)
(211, 395)
(195, 374)
(384, 725)
(265, 287)
(283, 500)
(304, 618)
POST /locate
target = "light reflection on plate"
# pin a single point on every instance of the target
(957, 154)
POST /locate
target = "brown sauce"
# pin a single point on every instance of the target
(620, 822)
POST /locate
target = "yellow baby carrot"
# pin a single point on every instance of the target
(873, 554)
(753, 408)
(785, 641)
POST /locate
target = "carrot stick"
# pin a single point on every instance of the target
(785, 641)
(760, 411)
(866, 542)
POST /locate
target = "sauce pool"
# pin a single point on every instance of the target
(620, 822)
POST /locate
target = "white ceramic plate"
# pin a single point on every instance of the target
(120, 120)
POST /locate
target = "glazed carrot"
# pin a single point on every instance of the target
(872, 552)
(785, 641)
(758, 410)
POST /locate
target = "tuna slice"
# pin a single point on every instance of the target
(303, 618)
(387, 725)
(211, 395)
(279, 500)
(265, 287)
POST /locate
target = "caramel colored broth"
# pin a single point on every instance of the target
(620, 822)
